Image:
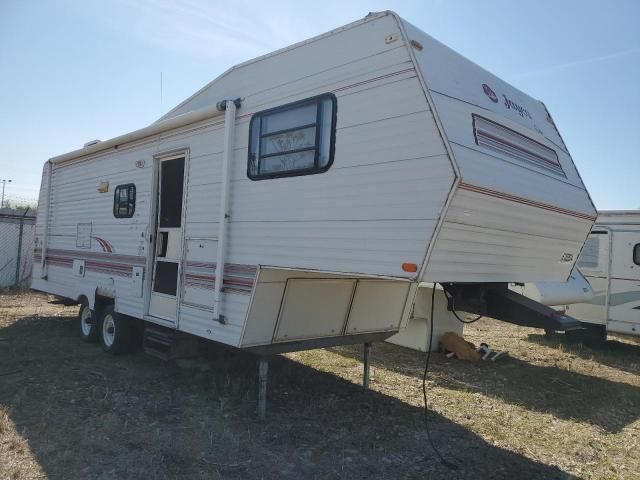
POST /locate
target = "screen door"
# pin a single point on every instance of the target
(165, 285)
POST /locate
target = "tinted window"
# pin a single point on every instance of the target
(124, 201)
(171, 184)
(295, 139)
(165, 279)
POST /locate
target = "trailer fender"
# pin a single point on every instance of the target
(85, 291)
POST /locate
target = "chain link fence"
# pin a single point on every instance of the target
(17, 237)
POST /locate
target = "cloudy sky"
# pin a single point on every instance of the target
(73, 71)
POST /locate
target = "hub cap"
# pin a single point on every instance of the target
(108, 330)
(85, 321)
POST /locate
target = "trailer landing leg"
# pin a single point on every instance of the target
(365, 373)
(263, 370)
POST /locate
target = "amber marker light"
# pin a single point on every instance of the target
(409, 267)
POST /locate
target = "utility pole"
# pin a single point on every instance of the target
(4, 182)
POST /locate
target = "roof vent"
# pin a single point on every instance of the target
(92, 142)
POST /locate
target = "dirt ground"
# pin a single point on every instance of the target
(558, 408)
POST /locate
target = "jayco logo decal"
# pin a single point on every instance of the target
(490, 93)
(511, 105)
(508, 103)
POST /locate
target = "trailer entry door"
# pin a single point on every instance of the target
(163, 301)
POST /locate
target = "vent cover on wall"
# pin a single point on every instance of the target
(510, 143)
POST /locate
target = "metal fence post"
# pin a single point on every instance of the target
(263, 369)
(19, 256)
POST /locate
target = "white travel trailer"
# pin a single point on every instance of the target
(610, 261)
(300, 198)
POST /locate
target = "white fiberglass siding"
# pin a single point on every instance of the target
(114, 245)
(487, 239)
(373, 210)
(378, 204)
(520, 210)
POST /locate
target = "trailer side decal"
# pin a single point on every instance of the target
(108, 263)
(237, 278)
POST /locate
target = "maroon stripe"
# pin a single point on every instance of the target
(524, 201)
(200, 277)
(228, 266)
(108, 271)
(101, 242)
(211, 287)
(245, 268)
(228, 280)
(119, 266)
(238, 281)
(235, 290)
(80, 255)
(200, 286)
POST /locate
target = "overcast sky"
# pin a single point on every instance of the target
(73, 71)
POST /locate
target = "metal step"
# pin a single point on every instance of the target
(157, 341)
(167, 343)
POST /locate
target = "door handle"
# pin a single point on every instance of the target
(160, 245)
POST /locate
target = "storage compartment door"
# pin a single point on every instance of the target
(314, 308)
(377, 306)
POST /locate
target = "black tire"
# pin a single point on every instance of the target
(603, 333)
(115, 331)
(89, 328)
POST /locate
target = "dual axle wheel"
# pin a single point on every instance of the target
(111, 329)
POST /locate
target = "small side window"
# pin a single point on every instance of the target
(294, 139)
(124, 201)
(636, 254)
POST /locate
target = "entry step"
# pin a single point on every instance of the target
(167, 343)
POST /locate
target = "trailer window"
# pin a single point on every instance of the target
(636, 254)
(124, 201)
(589, 256)
(295, 139)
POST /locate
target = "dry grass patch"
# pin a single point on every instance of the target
(17, 460)
(556, 409)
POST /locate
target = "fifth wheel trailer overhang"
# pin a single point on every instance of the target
(299, 199)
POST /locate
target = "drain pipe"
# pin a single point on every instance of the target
(229, 107)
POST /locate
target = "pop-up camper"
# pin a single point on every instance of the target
(300, 198)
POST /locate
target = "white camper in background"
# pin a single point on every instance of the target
(610, 260)
(299, 199)
(603, 291)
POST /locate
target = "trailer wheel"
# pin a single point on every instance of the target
(115, 331)
(603, 333)
(89, 330)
